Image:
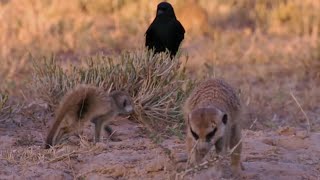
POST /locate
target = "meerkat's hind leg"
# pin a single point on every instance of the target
(236, 163)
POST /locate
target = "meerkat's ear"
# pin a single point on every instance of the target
(225, 119)
(116, 94)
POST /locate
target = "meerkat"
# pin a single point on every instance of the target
(87, 103)
(194, 17)
(212, 116)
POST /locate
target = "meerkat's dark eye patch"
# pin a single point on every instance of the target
(211, 134)
(195, 135)
(225, 119)
(124, 104)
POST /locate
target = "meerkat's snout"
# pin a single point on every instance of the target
(123, 102)
(203, 147)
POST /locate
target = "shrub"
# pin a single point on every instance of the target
(157, 83)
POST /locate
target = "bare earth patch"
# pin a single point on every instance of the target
(131, 154)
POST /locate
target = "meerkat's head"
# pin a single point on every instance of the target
(206, 126)
(123, 102)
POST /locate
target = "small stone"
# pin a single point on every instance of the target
(302, 134)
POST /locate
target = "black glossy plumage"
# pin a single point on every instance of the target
(165, 32)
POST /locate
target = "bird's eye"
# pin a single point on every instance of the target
(196, 137)
(211, 134)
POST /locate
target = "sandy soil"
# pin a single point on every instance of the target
(132, 154)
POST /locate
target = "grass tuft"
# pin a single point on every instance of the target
(3, 101)
(157, 83)
(5, 108)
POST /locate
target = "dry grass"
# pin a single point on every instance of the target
(256, 44)
(3, 101)
(157, 83)
(35, 155)
(81, 27)
(5, 108)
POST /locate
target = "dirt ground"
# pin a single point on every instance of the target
(288, 153)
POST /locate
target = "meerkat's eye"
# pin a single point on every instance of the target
(196, 137)
(225, 119)
(211, 134)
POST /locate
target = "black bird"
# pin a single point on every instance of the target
(165, 32)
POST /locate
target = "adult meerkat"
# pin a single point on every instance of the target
(212, 113)
(87, 103)
(193, 16)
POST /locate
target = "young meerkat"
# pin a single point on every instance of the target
(212, 116)
(87, 103)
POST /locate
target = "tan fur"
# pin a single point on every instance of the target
(87, 103)
(193, 17)
(211, 102)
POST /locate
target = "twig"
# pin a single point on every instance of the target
(111, 135)
(196, 167)
(305, 115)
(253, 123)
(192, 150)
(62, 157)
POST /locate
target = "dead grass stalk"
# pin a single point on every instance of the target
(304, 113)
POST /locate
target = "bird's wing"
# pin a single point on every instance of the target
(149, 34)
(178, 35)
(179, 31)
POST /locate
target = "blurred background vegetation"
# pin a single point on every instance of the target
(81, 27)
(268, 48)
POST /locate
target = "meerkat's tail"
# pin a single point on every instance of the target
(75, 105)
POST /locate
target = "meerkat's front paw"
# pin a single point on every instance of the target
(236, 171)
